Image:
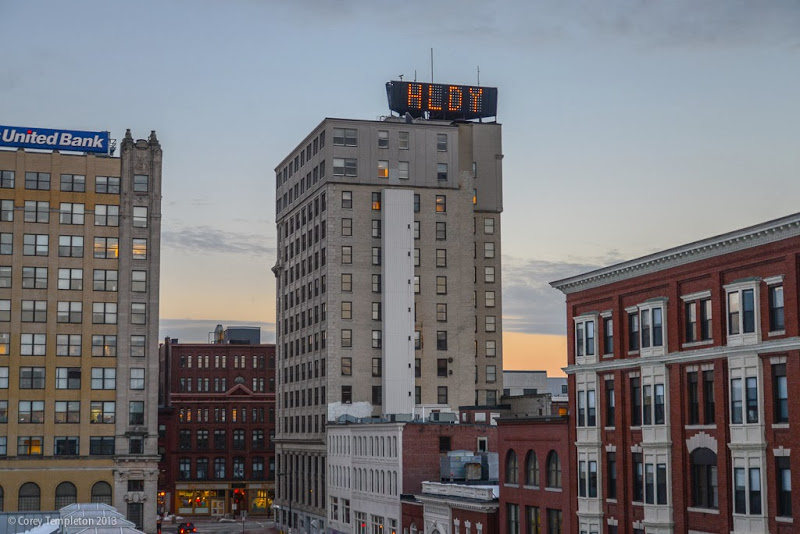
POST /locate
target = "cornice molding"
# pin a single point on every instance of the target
(752, 236)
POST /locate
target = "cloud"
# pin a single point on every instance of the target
(197, 330)
(205, 239)
(530, 305)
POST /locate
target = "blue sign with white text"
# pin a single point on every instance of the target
(48, 139)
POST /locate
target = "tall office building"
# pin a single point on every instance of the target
(79, 280)
(388, 281)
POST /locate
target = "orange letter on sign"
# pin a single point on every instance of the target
(414, 95)
(475, 99)
(454, 98)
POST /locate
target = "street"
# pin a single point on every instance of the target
(251, 526)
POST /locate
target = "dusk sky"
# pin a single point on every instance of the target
(629, 126)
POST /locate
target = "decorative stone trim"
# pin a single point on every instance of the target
(752, 236)
(777, 359)
(773, 280)
(691, 368)
(611, 448)
(696, 296)
(781, 452)
(701, 440)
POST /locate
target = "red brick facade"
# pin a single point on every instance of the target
(216, 428)
(719, 376)
(527, 444)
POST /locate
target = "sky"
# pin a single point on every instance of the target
(629, 126)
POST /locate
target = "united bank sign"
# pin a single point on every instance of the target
(48, 139)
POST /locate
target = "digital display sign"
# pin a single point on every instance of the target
(47, 138)
(442, 101)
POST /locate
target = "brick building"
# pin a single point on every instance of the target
(449, 508)
(216, 428)
(536, 475)
(679, 365)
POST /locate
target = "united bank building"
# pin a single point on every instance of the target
(79, 284)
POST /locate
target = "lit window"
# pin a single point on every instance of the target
(441, 203)
(376, 201)
(383, 169)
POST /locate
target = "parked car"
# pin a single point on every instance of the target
(187, 528)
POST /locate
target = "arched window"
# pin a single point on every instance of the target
(66, 494)
(512, 469)
(101, 493)
(29, 498)
(531, 469)
(553, 470)
(704, 478)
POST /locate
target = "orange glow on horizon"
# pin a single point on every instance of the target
(534, 352)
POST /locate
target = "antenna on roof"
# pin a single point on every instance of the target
(431, 64)
(479, 75)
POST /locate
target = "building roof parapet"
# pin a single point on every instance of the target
(752, 236)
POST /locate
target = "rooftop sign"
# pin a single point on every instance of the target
(48, 139)
(442, 101)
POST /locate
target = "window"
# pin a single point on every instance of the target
(136, 413)
(5, 310)
(441, 171)
(441, 312)
(531, 469)
(491, 373)
(376, 311)
(611, 479)
(638, 477)
(139, 249)
(709, 407)
(6, 210)
(37, 180)
(345, 167)
(104, 378)
(383, 169)
(345, 137)
(347, 227)
(491, 348)
(441, 394)
(138, 347)
(140, 216)
(68, 378)
(347, 310)
(636, 402)
(104, 346)
(402, 170)
(553, 470)
(776, 322)
(693, 398)
(70, 312)
(141, 183)
(219, 468)
(347, 338)
(651, 327)
(70, 246)
(104, 313)
(584, 338)
(238, 439)
(37, 211)
(34, 311)
(106, 248)
(376, 339)
(33, 344)
(138, 313)
(376, 255)
(383, 139)
(106, 215)
(441, 203)
(107, 184)
(441, 340)
(347, 366)
(441, 285)
(347, 282)
(347, 199)
(741, 312)
(704, 478)
(490, 323)
(488, 250)
(35, 244)
(783, 479)
(347, 394)
(416, 210)
(780, 393)
(747, 491)
(441, 367)
(376, 283)
(690, 312)
(68, 345)
(7, 179)
(608, 336)
(633, 332)
(610, 403)
(705, 319)
(6, 244)
(139, 281)
(3, 377)
(68, 412)
(68, 279)
(347, 255)
(65, 446)
(102, 412)
(31, 411)
(137, 378)
(70, 213)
